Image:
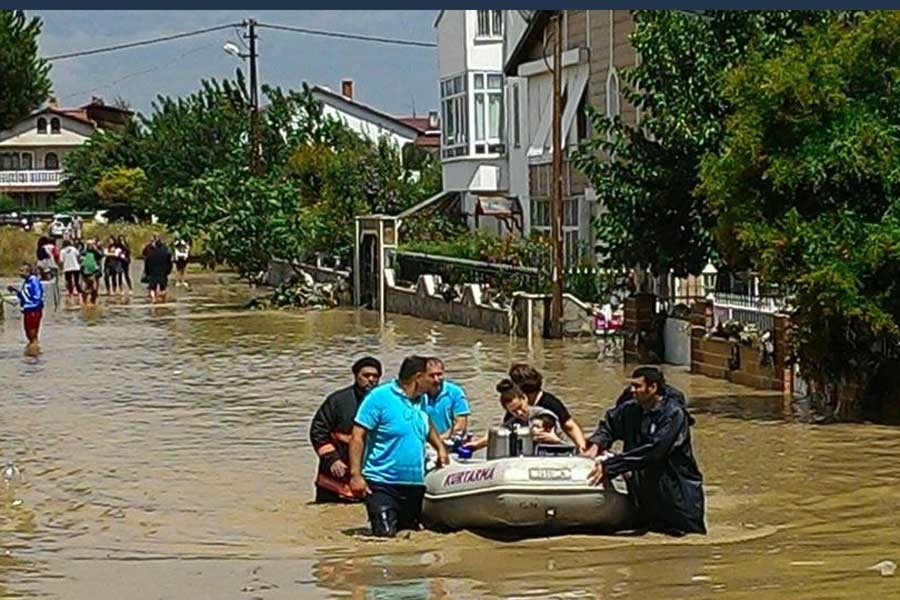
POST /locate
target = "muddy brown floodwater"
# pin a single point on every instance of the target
(164, 454)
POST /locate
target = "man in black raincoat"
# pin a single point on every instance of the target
(330, 430)
(663, 479)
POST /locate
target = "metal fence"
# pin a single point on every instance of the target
(758, 310)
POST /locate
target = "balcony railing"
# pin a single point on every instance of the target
(31, 178)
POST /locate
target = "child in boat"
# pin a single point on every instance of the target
(544, 424)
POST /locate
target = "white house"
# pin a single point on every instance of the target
(473, 111)
(373, 123)
(33, 151)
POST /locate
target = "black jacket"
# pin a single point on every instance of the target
(329, 434)
(665, 482)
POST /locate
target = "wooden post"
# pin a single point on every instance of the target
(556, 201)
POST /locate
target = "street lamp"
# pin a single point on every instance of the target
(232, 49)
(710, 275)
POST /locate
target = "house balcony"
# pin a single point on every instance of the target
(31, 181)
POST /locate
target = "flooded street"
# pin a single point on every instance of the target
(164, 453)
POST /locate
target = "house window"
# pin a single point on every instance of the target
(42, 125)
(26, 161)
(488, 110)
(515, 114)
(456, 116)
(490, 23)
(582, 121)
(54, 125)
(51, 161)
(612, 94)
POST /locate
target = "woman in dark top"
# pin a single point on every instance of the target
(531, 382)
(125, 276)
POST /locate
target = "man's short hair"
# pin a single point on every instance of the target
(651, 375)
(527, 378)
(28, 267)
(412, 366)
(366, 361)
(434, 360)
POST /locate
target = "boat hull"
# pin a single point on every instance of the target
(550, 494)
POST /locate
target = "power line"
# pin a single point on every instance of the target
(157, 40)
(141, 72)
(196, 32)
(350, 36)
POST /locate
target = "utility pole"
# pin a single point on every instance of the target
(556, 198)
(254, 97)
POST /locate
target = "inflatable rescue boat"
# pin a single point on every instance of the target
(524, 487)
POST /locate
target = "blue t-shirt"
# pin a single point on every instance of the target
(397, 432)
(450, 403)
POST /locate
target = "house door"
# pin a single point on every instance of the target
(368, 280)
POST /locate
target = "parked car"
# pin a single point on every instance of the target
(59, 224)
(14, 219)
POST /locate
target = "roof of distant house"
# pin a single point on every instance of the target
(425, 136)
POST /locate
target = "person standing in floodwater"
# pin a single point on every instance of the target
(329, 432)
(157, 267)
(665, 483)
(91, 269)
(392, 428)
(31, 300)
(182, 251)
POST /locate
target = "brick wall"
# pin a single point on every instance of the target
(713, 356)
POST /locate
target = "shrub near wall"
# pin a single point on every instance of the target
(16, 247)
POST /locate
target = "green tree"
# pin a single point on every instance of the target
(24, 76)
(7, 204)
(805, 189)
(122, 186)
(105, 150)
(653, 216)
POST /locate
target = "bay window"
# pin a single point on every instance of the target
(455, 116)
(488, 112)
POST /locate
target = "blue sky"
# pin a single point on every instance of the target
(389, 77)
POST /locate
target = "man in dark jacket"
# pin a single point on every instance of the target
(157, 267)
(663, 479)
(330, 430)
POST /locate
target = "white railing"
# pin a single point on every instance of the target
(747, 309)
(31, 178)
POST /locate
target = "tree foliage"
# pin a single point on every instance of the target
(24, 76)
(805, 189)
(122, 186)
(87, 164)
(652, 215)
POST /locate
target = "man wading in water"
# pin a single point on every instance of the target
(663, 478)
(330, 430)
(392, 429)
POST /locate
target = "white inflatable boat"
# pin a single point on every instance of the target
(545, 493)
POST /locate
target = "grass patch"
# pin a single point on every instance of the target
(16, 247)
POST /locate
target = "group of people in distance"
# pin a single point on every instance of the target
(371, 440)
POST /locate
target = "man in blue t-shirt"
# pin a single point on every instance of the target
(387, 450)
(446, 403)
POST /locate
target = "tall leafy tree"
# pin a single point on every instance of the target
(106, 150)
(806, 189)
(24, 76)
(653, 217)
